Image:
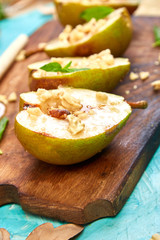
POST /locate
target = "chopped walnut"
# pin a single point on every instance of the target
(75, 124)
(127, 92)
(70, 103)
(144, 75)
(21, 56)
(101, 97)
(43, 94)
(12, 97)
(156, 85)
(34, 113)
(3, 99)
(58, 113)
(133, 76)
(135, 87)
(83, 115)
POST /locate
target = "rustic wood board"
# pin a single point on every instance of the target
(100, 186)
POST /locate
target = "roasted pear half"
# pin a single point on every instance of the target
(113, 32)
(69, 11)
(66, 125)
(100, 72)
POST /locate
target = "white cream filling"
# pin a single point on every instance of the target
(104, 118)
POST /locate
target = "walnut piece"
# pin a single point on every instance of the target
(58, 113)
(70, 103)
(144, 75)
(3, 99)
(101, 97)
(12, 97)
(133, 76)
(156, 85)
(75, 124)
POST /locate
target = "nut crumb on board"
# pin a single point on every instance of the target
(3, 99)
(156, 85)
(144, 75)
(12, 97)
(1, 152)
(127, 92)
(133, 76)
(135, 87)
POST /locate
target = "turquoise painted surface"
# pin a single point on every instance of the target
(139, 218)
(27, 24)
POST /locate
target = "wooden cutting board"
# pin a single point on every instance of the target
(100, 186)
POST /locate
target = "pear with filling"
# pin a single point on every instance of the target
(102, 72)
(69, 11)
(66, 125)
(113, 32)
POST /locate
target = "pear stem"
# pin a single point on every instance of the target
(138, 105)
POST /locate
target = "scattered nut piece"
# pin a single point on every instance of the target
(4, 234)
(0, 154)
(133, 76)
(21, 56)
(41, 45)
(12, 97)
(3, 99)
(156, 236)
(135, 87)
(144, 75)
(127, 92)
(156, 85)
(157, 63)
(101, 97)
(75, 124)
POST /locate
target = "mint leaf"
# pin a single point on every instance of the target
(68, 65)
(96, 12)
(56, 67)
(2, 13)
(3, 125)
(52, 67)
(156, 31)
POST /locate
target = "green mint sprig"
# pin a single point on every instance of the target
(2, 13)
(156, 31)
(56, 67)
(96, 12)
(3, 125)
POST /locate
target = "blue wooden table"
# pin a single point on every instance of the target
(140, 217)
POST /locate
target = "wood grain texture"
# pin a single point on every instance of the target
(100, 186)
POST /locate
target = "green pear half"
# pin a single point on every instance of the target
(66, 126)
(114, 34)
(103, 73)
(69, 11)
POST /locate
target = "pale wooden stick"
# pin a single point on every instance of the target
(7, 58)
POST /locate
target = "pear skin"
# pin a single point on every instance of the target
(95, 79)
(69, 11)
(116, 36)
(66, 148)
